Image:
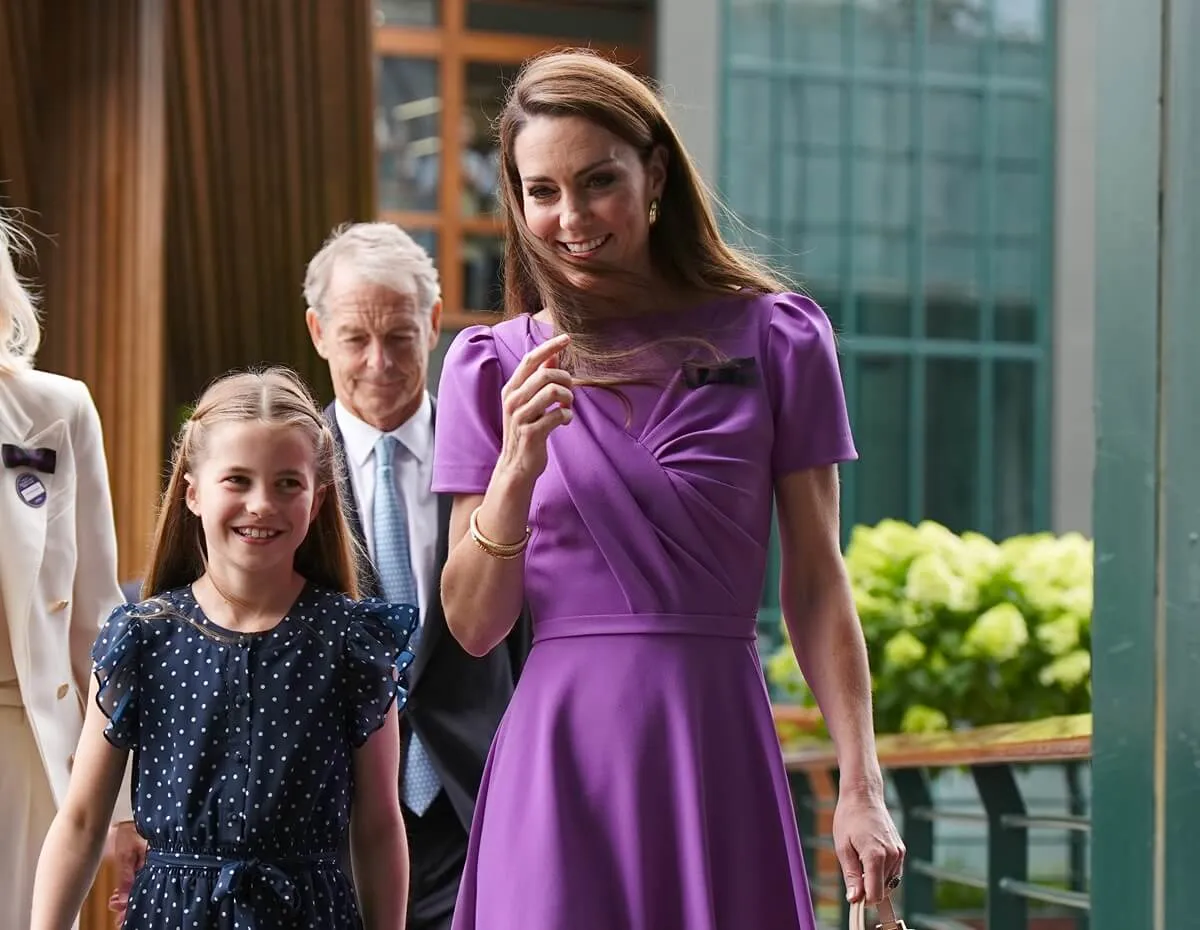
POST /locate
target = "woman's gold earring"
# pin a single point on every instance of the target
(653, 211)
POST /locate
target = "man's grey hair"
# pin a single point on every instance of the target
(375, 253)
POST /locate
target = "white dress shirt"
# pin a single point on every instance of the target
(414, 477)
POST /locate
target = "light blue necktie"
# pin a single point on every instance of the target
(394, 566)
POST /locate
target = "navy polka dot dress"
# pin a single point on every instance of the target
(242, 748)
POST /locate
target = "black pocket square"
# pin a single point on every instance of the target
(741, 372)
(43, 460)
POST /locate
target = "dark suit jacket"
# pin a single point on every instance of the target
(456, 700)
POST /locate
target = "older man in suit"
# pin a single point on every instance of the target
(374, 314)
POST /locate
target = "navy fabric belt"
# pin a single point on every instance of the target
(235, 875)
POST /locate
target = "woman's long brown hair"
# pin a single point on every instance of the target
(276, 396)
(686, 246)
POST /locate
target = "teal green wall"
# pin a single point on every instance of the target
(1146, 632)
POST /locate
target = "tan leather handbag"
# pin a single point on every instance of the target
(887, 916)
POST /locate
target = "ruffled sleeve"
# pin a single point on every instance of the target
(115, 663)
(470, 418)
(812, 427)
(376, 661)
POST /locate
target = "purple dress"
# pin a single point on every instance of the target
(636, 780)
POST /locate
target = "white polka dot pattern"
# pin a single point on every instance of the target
(242, 752)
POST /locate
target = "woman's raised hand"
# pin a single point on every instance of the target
(538, 399)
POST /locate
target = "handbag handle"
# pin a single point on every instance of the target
(887, 916)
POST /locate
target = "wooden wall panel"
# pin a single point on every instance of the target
(183, 159)
(100, 193)
(270, 142)
(82, 156)
(19, 66)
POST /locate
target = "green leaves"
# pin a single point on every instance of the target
(962, 631)
(998, 635)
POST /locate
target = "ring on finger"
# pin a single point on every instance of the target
(894, 882)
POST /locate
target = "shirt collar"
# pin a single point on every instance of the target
(415, 434)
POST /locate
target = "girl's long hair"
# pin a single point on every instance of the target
(276, 396)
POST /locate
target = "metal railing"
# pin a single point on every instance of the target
(994, 756)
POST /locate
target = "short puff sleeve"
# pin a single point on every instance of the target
(116, 661)
(812, 427)
(376, 660)
(470, 414)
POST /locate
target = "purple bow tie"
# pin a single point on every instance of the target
(42, 459)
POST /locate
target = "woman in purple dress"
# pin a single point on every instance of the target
(614, 448)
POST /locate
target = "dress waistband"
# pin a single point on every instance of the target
(721, 626)
(237, 874)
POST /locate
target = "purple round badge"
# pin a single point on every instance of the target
(30, 489)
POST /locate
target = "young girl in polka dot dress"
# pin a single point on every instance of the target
(258, 697)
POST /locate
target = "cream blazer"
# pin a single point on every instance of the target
(58, 559)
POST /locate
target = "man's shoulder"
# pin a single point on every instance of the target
(331, 418)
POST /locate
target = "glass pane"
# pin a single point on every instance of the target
(957, 32)
(584, 22)
(480, 152)
(426, 239)
(951, 316)
(886, 34)
(748, 170)
(1022, 226)
(812, 31)
(1023, 223)
(882, 435)
(952, 194)
(1018, 282)
(812, 113)
(750, 24)
(1020, 198)
(407, 137)
(1016, 321)
(1021, 37)
(1021, 127)
(408, 12)
(883, 229)
(951, 442)
(810, 178)
(954, 123)
(883, 121)
(829, 300)
(483, 272)
(884, 314)
(1013, 464)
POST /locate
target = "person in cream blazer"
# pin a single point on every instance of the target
(58, 583)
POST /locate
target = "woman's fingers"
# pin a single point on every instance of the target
(548, 396)
(537, 430)
(537, 399)
(519, 395)
(537, 357)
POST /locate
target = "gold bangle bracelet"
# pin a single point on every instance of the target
(495, 549)
(495, 555)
